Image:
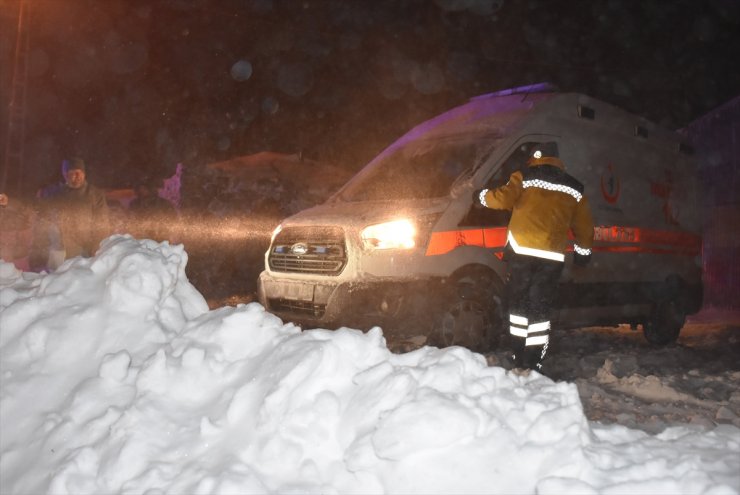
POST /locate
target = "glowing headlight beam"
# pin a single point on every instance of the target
(276, 232)
(398, 234)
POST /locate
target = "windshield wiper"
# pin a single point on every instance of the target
(483, 158)
(465, 175)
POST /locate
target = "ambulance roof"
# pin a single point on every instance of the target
(490, 114)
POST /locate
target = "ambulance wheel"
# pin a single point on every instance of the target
(469, 312)
(665, 324)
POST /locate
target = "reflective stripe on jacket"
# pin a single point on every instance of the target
(546, 203)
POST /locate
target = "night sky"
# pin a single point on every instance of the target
(134, 87)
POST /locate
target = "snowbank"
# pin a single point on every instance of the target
(117, 379)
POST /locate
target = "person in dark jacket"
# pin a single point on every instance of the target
(72, 219)
(546, 203)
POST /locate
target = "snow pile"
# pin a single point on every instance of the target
(117, 379)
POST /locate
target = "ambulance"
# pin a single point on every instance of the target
(402, 245)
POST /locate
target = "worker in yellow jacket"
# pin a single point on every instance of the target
(546, 204)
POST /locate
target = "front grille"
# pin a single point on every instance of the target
(299, 307)
(319, 250)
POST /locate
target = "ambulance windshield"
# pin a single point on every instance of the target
(418, 169)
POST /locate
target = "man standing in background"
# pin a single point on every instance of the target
(72, 219)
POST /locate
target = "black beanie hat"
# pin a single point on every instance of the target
(542, 150)
(73, 163)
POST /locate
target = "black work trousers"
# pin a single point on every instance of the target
(532, 283)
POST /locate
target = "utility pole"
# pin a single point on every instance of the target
(13, 166)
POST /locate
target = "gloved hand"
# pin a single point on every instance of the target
(477, 198)
(581, 259)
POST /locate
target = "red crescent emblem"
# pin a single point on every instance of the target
(610, 185)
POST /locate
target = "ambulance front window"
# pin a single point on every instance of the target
(417, 170)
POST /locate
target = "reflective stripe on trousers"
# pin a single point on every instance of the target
(534, 334)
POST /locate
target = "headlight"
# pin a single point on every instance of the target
(399, 234)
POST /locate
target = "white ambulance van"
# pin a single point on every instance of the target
(403, 246)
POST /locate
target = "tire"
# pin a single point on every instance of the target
(665, 323)
(469, 312)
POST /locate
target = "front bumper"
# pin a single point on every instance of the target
(388, 303)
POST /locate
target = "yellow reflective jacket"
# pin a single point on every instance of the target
(546, 203)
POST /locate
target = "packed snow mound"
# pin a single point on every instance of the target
(117, 379)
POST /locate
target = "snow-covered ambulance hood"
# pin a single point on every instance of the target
(356, 215)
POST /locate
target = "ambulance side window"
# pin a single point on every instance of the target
(487, 217)
(516, 161)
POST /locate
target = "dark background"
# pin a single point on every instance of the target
(135, 87)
